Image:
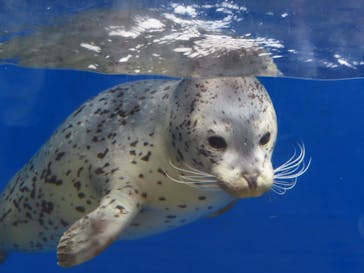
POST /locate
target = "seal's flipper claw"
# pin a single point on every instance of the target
(94, 232)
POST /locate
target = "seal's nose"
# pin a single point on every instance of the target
(251, 179)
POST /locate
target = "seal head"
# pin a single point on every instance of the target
(229, 132)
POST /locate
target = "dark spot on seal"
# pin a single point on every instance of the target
(144, 195)
(81, 195)
(59, 156)
(79, 171)
(161, 172)
(47, 207)
(103, 154)
(99, 171)
(121, 209)
(80, 209)
(64, 223)
(77, 185)
(146, 157)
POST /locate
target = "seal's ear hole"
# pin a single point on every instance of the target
(264, 139)
(217, 142)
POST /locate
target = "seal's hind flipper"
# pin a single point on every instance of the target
(91, 234)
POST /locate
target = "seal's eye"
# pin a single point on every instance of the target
(264, 139)
(217, 142)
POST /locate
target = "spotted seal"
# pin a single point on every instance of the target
(141, 158)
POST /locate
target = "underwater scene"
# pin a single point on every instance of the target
(274, 185)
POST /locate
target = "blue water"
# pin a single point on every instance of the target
(316, 227)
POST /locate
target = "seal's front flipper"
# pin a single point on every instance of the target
(94, 232)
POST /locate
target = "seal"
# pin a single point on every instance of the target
(138, 159)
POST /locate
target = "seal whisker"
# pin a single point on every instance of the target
(181, 169)
(191, 170)
(193, 177)
(287, 163)
(293, 160)
(198, 171)
(207, 186)
(199, 181)
(285, 175)
(285, 186)
(292, 163)
(302, 168)
(288, 171)
(195, 174)
(288, 183)
(176, 180)
(279, 190)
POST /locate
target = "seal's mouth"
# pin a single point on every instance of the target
(247, 186)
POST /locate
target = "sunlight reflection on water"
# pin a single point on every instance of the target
(213, 38)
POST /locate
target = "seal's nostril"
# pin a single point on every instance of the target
(251, 179)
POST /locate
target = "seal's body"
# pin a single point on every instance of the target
(141, 158)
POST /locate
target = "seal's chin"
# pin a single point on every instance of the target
(245, 189)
